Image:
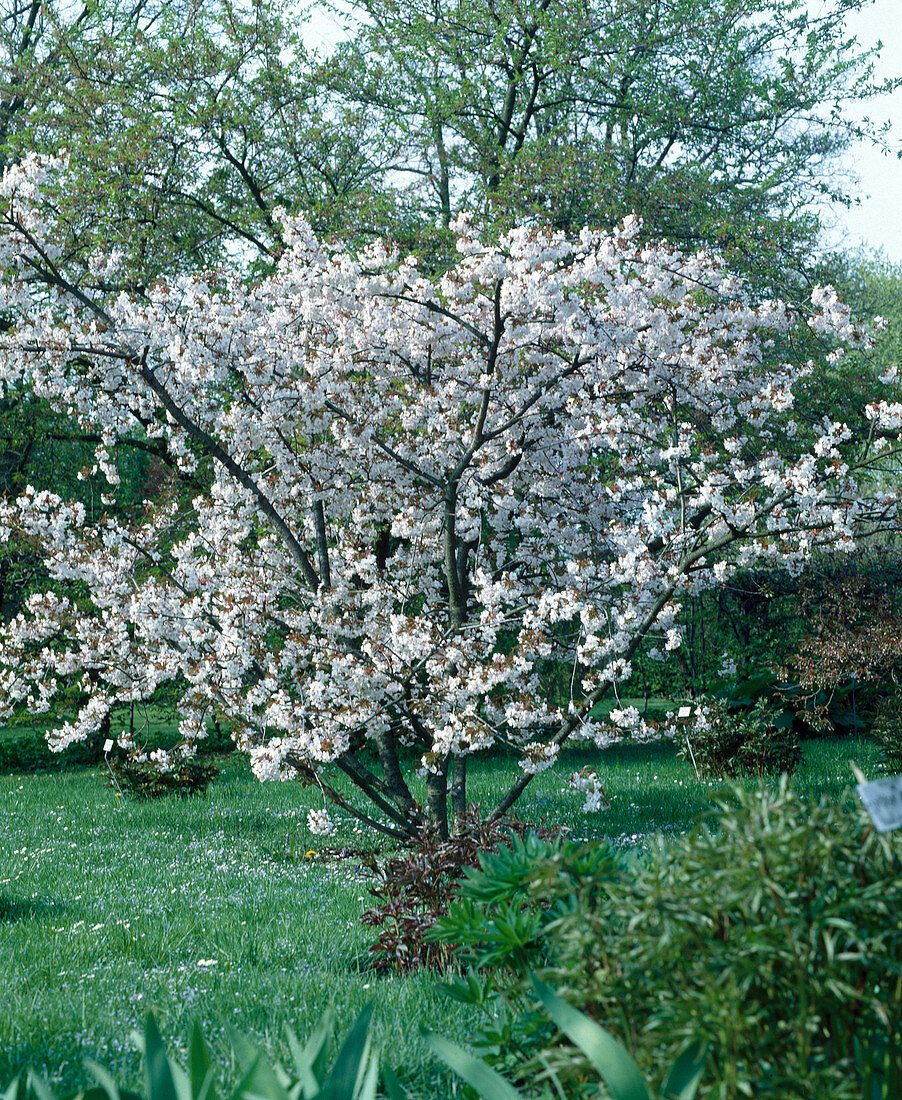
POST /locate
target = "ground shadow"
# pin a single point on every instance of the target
(14, 909)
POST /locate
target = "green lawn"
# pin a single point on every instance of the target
(211, 908)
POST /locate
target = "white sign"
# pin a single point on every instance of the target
(107, 745)
(883, 801)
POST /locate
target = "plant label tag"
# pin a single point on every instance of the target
(107, 745)
(882, 799)
(684, 712)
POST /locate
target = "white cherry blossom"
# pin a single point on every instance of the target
(412, 496)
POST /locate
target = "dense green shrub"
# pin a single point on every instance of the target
(774, 934)
(887, 729)
(143, 779)
(28, 752)
(726, 741)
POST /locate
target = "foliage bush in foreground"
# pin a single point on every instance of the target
(609, 1059)
(354, 1073)
(773, 934)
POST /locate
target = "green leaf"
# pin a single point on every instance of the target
(686, 1072)
(489, 1084)
(303, 1062)
(350, 1062)
(160, 1082)
(394, 1090)
(367, 1090)
(12, 1091)
(200, 1068)
(310, 1062)
(104, 1079)
(260, 1080)
(613, 1062)
(40, 1087)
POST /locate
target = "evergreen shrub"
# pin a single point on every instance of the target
(773, 933)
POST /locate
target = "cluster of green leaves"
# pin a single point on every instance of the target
(609, 1059)
(773, 933)
(353, 1074)
(188, 124)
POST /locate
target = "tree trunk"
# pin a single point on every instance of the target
(459, 793)
(437, 799)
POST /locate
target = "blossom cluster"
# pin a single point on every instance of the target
(420, 491)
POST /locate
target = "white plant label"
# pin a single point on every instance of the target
(882, 799)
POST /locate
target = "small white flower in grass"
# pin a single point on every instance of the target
(319, 822)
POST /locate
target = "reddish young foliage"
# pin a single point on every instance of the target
(413, 890)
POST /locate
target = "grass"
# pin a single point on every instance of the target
(213, 908)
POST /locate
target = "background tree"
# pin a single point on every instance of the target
(719, 122)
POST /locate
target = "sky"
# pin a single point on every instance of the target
(875, 220)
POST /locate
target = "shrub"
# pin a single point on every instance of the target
(414, 889)
(774, 935)
(609, 1059)
(26, 753)
(887, 729)
(144, 779)
(726, 742)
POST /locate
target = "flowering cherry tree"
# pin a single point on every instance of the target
(412, 496)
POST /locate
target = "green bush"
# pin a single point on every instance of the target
(773, 934)
(725, 742)
(887, 730)
(185, 776)
(26, 753)
(608, 1058)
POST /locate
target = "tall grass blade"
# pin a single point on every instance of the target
(350, 1062)
(613, 1062)
(40, 1087)
(260, 1080)
(160, 1082)
(394, 1090)
(489, 1084)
